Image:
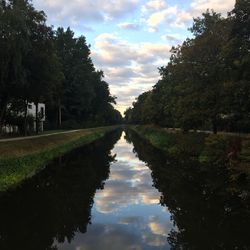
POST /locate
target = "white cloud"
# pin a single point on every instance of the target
(173, 38)
(127, 65)
(159, 17)
(177, 17)
(222, 6)
(77, 12)
(117, 9)
(154, 5)
(63, 12)
(112, 51)
(182, 18)
(129, 26)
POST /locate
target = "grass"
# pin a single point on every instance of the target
(222, 149)
(47, 132)
(173, 142)
(245, 153)
(22, 159)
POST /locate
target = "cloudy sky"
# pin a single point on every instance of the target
(129, 39)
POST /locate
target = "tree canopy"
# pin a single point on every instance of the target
(206, 83)
(39, 64)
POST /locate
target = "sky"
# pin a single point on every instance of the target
(129, 39)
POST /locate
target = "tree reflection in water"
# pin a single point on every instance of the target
(208, 207)
(56, 203)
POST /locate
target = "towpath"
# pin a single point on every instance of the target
(37, 136)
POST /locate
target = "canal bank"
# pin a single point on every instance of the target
(120, 192)
(22, 159)
(227, 149)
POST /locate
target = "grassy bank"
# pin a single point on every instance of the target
(172, 142)
(222, 149)
(22, 159)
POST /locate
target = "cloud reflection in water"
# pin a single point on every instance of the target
(130, 183)
(126, 213)
(130, 200)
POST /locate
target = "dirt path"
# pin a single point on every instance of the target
(243, 135)
(37, 136)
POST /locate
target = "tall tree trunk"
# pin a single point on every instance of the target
(215, 125)
(59, 118)
(25, 117)
(3, 108)
(37, 120)
(2, 112)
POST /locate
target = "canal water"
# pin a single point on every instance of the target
(121, 193)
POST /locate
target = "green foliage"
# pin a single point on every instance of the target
(39, 64)
(206, 84)
(203, 199)
(14, 170)
(173, 142)
(84, 96)
(221, 149)
(210, 151)
(245, 153)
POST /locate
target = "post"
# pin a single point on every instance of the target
(25, 117)
(37, 121)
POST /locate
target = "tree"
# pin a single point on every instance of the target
(43, 68)
(204, 59)
(237, 59)
(85, 96)
(14, 46)
(29, 65)
(41, 65)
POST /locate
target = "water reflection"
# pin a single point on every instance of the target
(130, 196)
(130, 183)
(209, 208)
(126, 213)
(56, 204)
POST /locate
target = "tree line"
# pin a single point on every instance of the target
(206, 84)
(40, 64)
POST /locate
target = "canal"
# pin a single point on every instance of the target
(121, 193)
